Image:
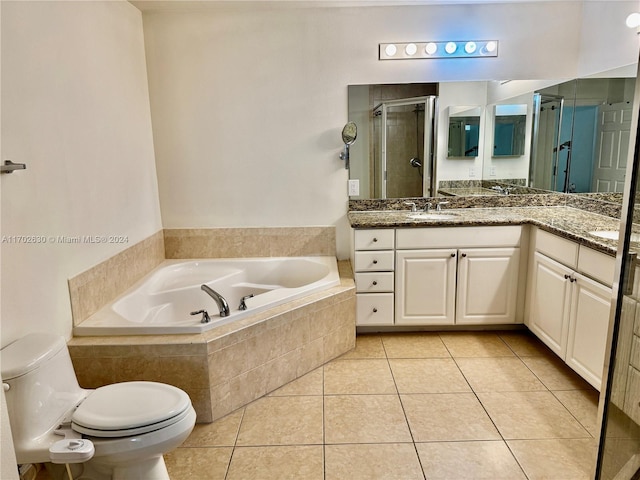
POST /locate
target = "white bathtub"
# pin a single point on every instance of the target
(162, 302)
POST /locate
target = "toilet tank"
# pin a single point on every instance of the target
(41, 389)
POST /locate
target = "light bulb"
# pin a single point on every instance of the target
(491, 46)
(450, 47)
(430, 48)
(390, 50)
(633, 20)
(470, 47)
(411, 49)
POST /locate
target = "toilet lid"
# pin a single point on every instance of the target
(129, 408)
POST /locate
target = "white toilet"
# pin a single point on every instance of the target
(117, 432)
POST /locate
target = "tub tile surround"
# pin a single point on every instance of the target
(249, 242)
(97, 286)
(234, 364)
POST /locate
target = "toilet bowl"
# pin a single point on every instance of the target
(129, 425)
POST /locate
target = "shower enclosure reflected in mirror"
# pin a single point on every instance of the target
(403, 136)
(464, 131)
(580, 137)
(509, 130)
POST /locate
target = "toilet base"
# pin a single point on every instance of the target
(150, 469)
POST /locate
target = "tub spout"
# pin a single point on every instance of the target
(223, 306)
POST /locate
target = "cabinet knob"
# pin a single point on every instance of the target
(375, 283)
(463, 255)
(567, 277)
(375, 310)
(375, 262)
(375, 239)
(453, 255)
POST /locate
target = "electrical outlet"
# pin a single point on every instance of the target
(492, 171)
(354, 188)
(472, 172)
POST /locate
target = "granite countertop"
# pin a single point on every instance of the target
(568, 222)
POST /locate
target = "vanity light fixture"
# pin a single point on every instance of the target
(447, 49)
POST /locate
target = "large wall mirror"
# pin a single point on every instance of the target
(562, 137)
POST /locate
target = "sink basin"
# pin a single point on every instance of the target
(608, 234)
(613, 235)
(431, 216)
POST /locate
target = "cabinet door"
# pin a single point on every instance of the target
(487, 285)
(588, 326)
(425, 287)
(549, 302)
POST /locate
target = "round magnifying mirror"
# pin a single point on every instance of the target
(349, 133)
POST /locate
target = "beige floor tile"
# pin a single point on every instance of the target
(222, 432)
(582, 404)
(390, 461)
(358, 377)
(414, 345)
(464, 344)
(555, 374)
(530, 415)
(277, 463)
(367, 346)
(500, 374)
(570, 459)
(447, 417)
(365, 419)
(293, 420)
(198, 463)
(428, 375)
(490, 460)
(525, 344)
(309, 384)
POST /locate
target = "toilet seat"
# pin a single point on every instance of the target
(130, 408)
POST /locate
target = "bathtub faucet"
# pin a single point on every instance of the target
(223, 306)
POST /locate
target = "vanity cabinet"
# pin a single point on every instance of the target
(474, 281)
(569, 302)
(373, 264)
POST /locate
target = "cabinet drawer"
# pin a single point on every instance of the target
(596, 265)
(560, 249)
(461, 237)
(374, 261)
(374, 282)
(375, 239)
(374, 309)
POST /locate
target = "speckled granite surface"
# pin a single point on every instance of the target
(568, 222)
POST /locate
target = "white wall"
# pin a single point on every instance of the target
(75, 109)
(248, 101)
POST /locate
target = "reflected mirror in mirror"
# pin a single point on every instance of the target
(464, 131)
(509, 131)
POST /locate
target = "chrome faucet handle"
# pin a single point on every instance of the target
(439, 205)
(243, 306)
(427, 207)
(412, 205)
(205, 316)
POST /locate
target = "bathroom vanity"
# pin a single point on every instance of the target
(541, 267)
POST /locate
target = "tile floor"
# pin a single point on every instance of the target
(410, 406)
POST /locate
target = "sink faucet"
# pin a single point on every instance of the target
(223, 306)
(412, 205)
(439, 206)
